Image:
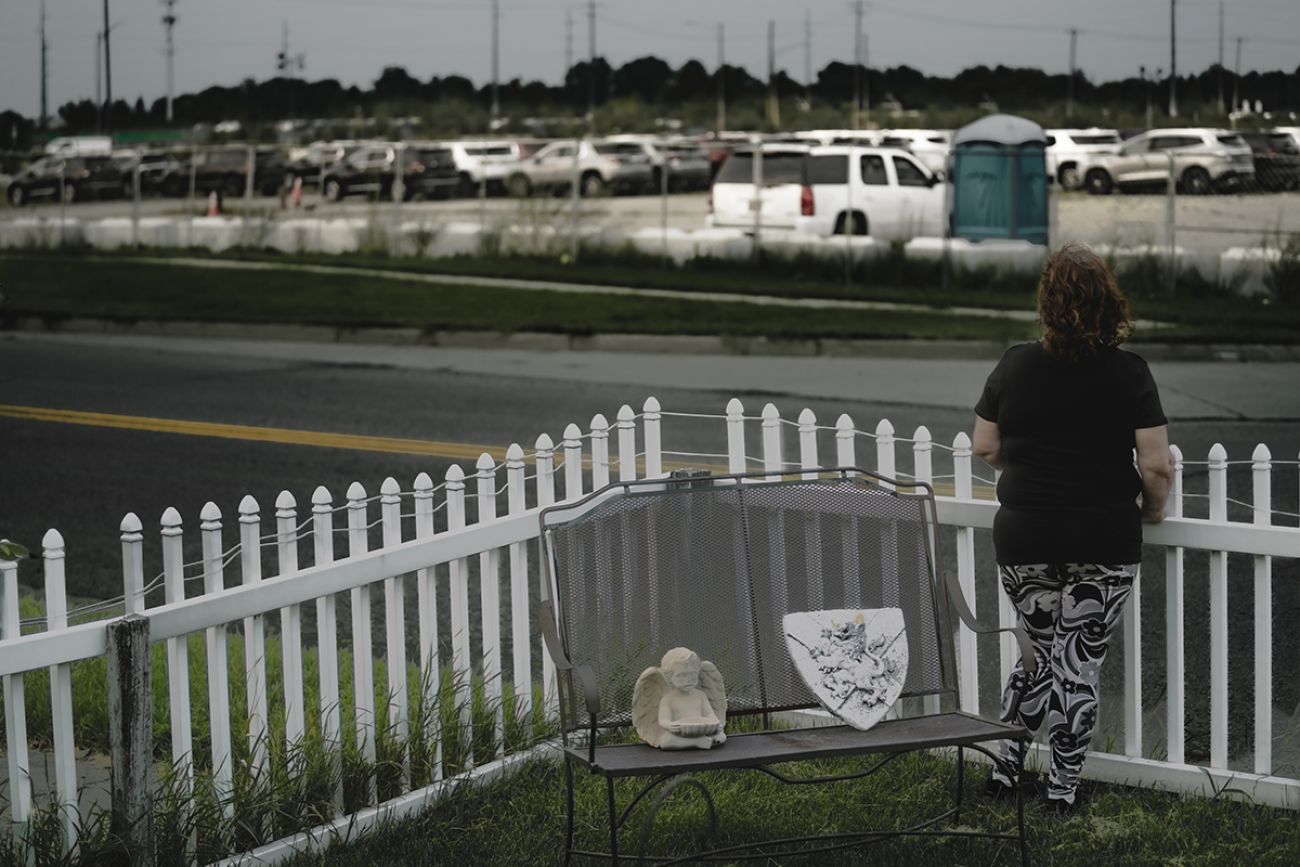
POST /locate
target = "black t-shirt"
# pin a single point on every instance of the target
(1069, 487)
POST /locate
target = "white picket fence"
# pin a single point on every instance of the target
(439, 560)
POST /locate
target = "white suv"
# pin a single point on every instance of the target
(1068, 149)
(479, 161)
(930, 146)
(1202, 160)
(881, 192)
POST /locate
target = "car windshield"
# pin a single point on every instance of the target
(778, 168)
(827, 169)
(1283, 143)
(1232, 139)
(490, 151)
(1101, 138)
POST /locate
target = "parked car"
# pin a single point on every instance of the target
(225, 171)
(372, 170)
(73, 178)
(79, 146)
(880, 192)
(1277, 160)
(1202, 160)
(599, 165)
(686, 162)
(930, 146)
(478, 162)
(734, 200)
(153, 167)
(310, 163)
(1068, 149)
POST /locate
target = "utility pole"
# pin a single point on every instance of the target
(286, 64)
(45, 72)
(568, 42)
(1236, 77)
(1173, 59)
(169, 21)
(773, 102)
(99, 87)
(1146, 92)
(722, 80)
(1220, 55)
(108, 74)
(591, 64)
(1069, 87)
(496, 28)
(857, 64)
(807, 58)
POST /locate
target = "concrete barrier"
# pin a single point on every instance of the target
(1007, 255)
(1244, 268)
(41, 233)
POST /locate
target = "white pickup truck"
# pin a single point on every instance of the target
(832, 190)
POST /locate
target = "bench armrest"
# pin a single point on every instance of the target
(587, 677)
(1027, 659)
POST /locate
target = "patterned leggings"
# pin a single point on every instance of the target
(1070, 611)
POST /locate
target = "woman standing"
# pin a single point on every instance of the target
(1061, 418)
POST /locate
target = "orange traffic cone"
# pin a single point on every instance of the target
(297, 192)
(214, 204)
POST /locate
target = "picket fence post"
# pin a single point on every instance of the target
(363, 664)
(19, 763)
(130, 735)
(923, 473)
(1262, 490)
(572, 462)
(250, 568)
(808, 443)
(132, 536)
(651, 420)
(286, 537)
(65, 756)
(426, 594)
(1218, 613)
(599, 452)
(1175, 719)
(178, 655)
(521, 652)
(967, 664)
(459, 586)
(544, 456)
(327, 642)
(390, 510)
(218, 662)
(845, 445)
(736, 462)
(773, 455)
(489, 586)
(626, 425)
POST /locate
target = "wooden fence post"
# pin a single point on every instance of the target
(130, 735)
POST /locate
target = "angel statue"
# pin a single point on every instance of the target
(682, 704)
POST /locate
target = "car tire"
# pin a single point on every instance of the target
(16, 195)
(333, 190)
(519, 186)
(592, 185)
(1069, 178)
(1098, 182)
(1196, 182)
(858, 227)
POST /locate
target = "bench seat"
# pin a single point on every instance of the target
(754, 749)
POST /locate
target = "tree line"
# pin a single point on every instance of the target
(652, 84)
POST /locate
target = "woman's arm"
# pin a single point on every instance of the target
(1156, 467)
(988, 442)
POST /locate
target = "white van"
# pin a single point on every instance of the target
(882, 192)
(732, 203)
(80, 146)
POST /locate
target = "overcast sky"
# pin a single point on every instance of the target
(225, 41)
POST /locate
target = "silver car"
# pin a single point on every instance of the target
(1202, 161)
(599, 166)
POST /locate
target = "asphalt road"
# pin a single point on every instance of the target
(82, 478)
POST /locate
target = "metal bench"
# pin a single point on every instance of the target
(714, 563)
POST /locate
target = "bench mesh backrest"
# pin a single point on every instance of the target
(716, 568)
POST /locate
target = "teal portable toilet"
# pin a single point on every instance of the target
(999, 180)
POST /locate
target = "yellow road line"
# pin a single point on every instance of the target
(354, 442)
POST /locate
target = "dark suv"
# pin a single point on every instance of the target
(1277, 160)
(371, 170)
(74, 178)
(225, 171)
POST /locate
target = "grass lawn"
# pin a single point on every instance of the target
(520, 821)
(123, 290)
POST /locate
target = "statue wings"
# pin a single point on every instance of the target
(711, 683)
(649, 691)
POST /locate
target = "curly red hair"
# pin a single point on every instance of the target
(1080, 306)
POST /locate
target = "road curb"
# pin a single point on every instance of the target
(668, 344)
